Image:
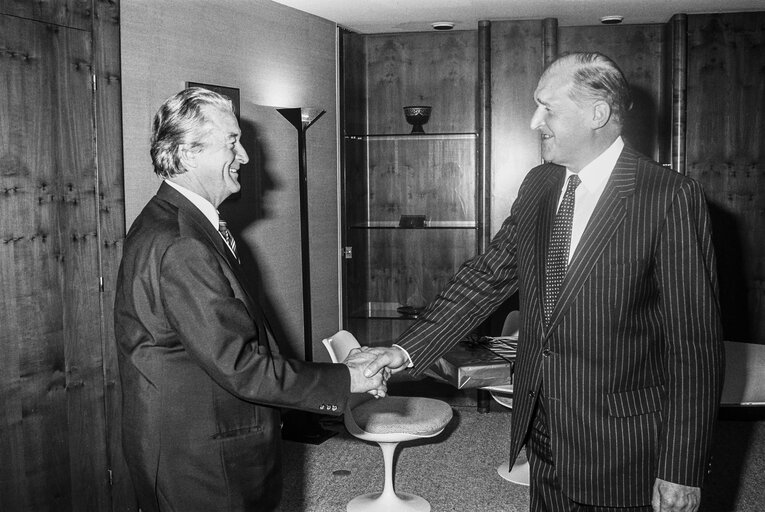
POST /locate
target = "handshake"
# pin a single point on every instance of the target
(371, 367)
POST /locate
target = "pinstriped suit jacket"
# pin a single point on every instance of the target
(631, 361)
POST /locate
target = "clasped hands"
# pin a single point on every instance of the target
(371, 367)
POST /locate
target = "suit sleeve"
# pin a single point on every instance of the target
(218, 332)
(474, 292)
(687, 280)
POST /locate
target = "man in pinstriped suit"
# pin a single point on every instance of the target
(617, 384)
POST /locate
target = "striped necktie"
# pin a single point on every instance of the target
(557, 254)
(227, 236)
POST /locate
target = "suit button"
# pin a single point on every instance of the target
(546, 352)
(322, 407)
(334, 407)
(531, 394)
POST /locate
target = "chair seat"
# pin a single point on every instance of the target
(403, 415)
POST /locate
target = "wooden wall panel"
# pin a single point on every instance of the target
(76, 224)
(67, 13)
(516, 62)
(639, 51)
(33, 407)
(51, 382)
(53, 255)
(436, 69)
(726, 153)
(353, 64)
(111, 228)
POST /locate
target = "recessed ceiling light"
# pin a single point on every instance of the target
(613, 19)
(442, 25)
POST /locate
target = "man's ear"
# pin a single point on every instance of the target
(601, 113)
(188, 156)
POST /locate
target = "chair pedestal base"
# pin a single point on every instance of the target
(519, 474)
(377, 502)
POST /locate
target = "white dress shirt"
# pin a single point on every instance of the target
(594, 177)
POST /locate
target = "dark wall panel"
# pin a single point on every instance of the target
(67, 13)
(726, 153)
(51, 383)
(516, 65)
(61, 224)
(436, 69)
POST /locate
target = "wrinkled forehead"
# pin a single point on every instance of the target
(220, 123)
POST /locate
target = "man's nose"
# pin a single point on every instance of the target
(538, 119)
(241, 154)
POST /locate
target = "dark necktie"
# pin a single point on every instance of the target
(227, 236)
(560, 242)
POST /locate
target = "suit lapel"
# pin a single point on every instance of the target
(606, 219)
(208, 233)
(203, 227)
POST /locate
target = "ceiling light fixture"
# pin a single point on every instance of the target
(442, 25)
(613, 19)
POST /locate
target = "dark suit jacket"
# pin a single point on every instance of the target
(631, 362)
(201, 380)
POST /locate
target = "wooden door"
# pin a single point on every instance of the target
(52, 409)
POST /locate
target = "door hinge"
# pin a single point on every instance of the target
(348, 252)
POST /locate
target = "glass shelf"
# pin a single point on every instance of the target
(437, 224)
(413, 136)
(384, 310)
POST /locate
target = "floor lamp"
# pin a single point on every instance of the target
(300, 426)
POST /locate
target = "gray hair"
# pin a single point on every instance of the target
(596, 77)
(182, 119)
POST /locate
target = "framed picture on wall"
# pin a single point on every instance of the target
(230, 92)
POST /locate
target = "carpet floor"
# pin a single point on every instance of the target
(457, 471)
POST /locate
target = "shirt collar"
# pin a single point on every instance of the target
(596, 173)
(200, 202)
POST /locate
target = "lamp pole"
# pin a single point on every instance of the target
(302, 119)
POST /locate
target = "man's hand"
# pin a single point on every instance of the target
(670, 497)
(392, 359)
(375, 384)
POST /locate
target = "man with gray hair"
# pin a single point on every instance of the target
(202, 377)
(620, 356)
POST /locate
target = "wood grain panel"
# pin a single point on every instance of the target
(397, 267)
(353, 75)
(416, 176)
(725, 152)
(52, 386)
(67, 13)
(516, 61)
(33, 429)
(638, 51)
(436, 69)
(111, 229)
